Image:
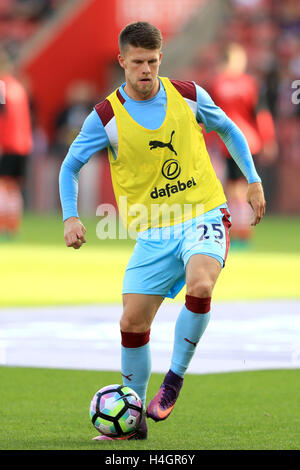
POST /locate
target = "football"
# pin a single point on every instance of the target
(116, 410)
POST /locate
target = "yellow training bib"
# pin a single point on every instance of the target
(164, 176)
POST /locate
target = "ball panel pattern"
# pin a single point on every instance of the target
(116, 410)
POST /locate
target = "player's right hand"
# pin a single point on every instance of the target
(74, 233)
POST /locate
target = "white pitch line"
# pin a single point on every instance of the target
(240, 336)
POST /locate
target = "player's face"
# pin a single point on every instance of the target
(141, 69)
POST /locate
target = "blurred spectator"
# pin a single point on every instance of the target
(20, 19)
(81, 98)
(15, 146)
(32, 9)
(239, 95)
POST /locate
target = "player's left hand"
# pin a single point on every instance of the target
(256, 199)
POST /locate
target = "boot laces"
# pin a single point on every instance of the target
(169, 395)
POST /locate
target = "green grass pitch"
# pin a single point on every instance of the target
(49, 409)
(45, 272)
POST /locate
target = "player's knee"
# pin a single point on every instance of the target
(200, 288)
(126, 324)
(133, 324)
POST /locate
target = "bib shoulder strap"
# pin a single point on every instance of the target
(105, 111)
(185, 88)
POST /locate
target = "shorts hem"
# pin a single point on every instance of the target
(145, 292)
(211, 255)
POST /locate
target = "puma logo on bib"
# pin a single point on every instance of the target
(154, 144)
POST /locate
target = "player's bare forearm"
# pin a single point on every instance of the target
(74, 232)
(256, 199)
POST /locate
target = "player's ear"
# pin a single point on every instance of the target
(160, 57)
(121, 60)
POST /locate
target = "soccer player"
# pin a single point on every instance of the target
(15, 146)
(239, 96)
(157, 155)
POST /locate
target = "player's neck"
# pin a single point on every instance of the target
(137, 96)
